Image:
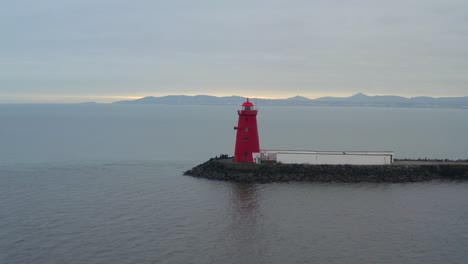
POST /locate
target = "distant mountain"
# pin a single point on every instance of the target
(186, 100)
(362, 98)
(298, 99)
(359, 99)
(88, 103)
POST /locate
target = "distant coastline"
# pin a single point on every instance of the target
(357, 100)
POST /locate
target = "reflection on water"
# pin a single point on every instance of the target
(245, 227)
(244, 199)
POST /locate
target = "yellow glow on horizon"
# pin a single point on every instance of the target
(64, 98)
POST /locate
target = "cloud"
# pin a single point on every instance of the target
(271, 47)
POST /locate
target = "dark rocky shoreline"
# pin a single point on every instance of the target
(226, 170)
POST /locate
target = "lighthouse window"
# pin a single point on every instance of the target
(246, 153)
(246, 129)
(246, 139)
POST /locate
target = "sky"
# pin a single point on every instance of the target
(109, 50)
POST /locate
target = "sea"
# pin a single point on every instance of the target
(104, 183)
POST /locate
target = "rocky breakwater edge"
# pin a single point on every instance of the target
(399, 172)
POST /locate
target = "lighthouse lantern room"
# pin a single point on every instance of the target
(247, 142)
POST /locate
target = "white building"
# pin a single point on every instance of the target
(326, 157)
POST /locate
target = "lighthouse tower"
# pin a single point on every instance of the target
(247, 134)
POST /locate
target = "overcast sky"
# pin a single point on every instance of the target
(106, 50)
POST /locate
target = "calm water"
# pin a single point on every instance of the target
(104, 184)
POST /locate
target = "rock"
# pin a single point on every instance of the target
(226, 170)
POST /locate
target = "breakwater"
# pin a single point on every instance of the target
(399, 172)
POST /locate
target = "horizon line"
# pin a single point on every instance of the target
(82, 99)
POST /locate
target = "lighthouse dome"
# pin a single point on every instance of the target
(247, 105)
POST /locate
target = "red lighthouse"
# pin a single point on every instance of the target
(247, 134)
